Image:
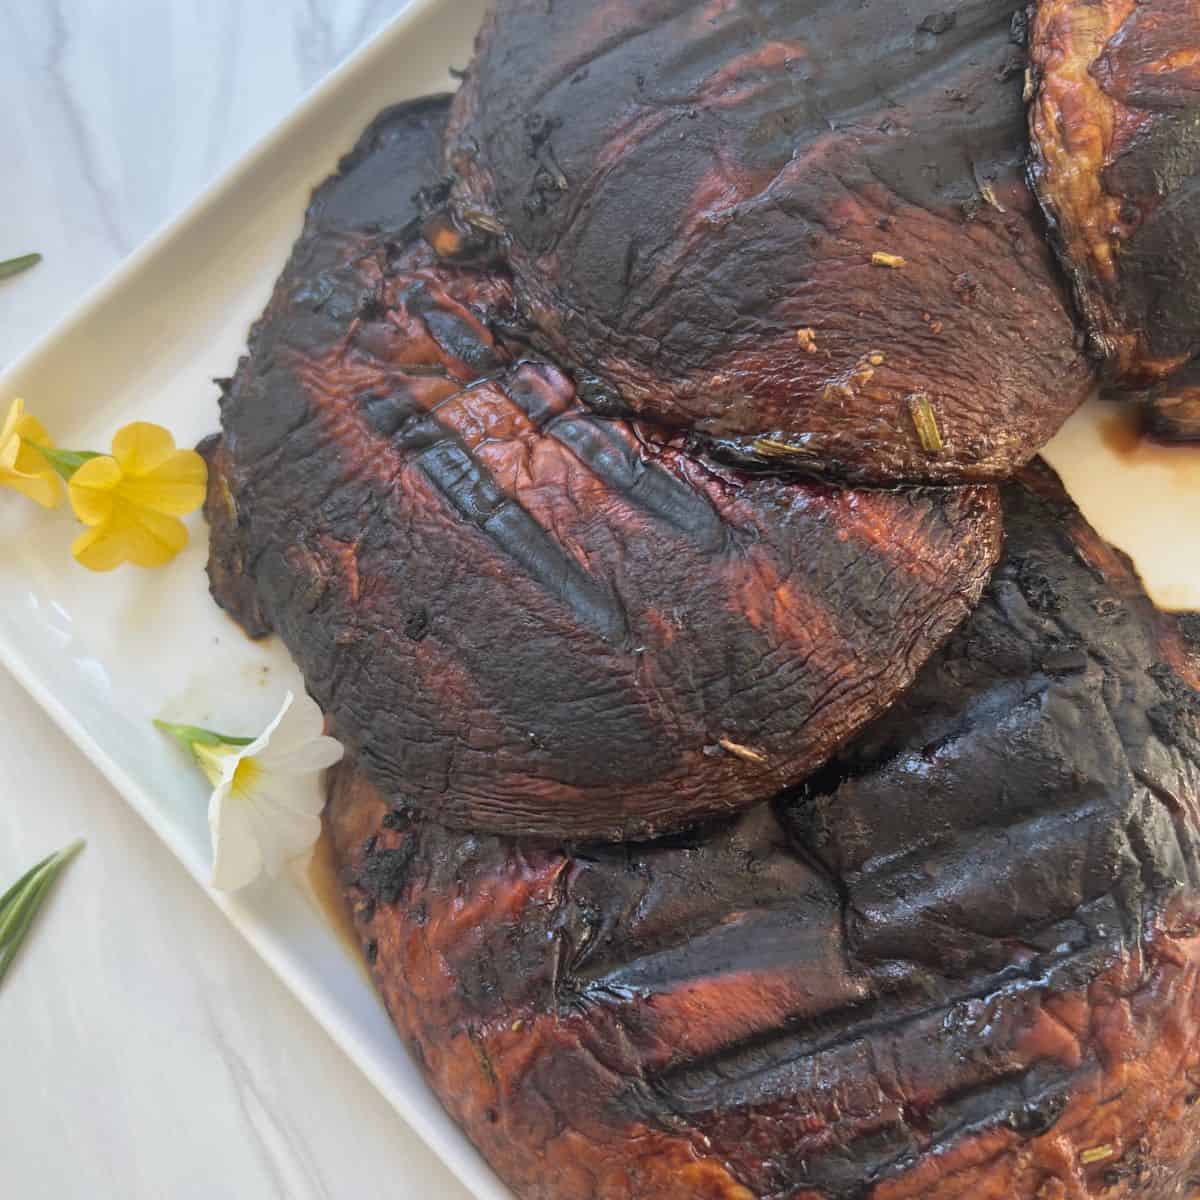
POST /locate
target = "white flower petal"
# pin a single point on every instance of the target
(275, 813)
(263, 741)
(283, 832)
(219, 763)
(305, 759)
(237, 859)
(298, 722)
(299, 793)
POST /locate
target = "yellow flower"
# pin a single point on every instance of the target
(22, 466)
(133, 499)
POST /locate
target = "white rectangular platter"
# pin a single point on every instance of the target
(106, 654)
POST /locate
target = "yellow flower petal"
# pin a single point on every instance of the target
(141, 447)
(8, 453)
(30, 429)
(31, 461)
(135, 535)
(100, 549)
(16, 410)
(22, 466)
(133, 498)
(42, 481)
(44, 488)
(157, 538)
(176, 486)
(92, 490)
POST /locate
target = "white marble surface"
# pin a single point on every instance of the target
(145, 1050)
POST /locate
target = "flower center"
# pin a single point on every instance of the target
(245, 774)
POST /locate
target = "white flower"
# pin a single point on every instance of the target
(267, 793)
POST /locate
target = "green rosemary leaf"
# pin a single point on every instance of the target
(14, 266)
(18, 919)
(19, 906)
(66, 462)
(16, 887)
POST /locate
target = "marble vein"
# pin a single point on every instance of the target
(105, 206)
(293, 1171)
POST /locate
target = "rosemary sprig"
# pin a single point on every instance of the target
(20, 904)
(14, 266)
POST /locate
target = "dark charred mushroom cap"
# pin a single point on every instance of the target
(961, 963)
(520, 616)
(776, 224)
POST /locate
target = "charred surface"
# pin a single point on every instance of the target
(781, 220)
(374, 196)
(962, 963)
(230, 582)
(1172, 409)
(1116, 163)
(525, 618)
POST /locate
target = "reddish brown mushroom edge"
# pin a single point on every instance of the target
(1115, 87)
(960, 963)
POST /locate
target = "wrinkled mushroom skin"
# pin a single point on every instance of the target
(522, 617)
(777, 220)
(372, 196)
(1115, 123)
(229, 580)
(961, 963)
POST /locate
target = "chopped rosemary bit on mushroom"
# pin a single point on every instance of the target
(774, 448)
(745, 753)
(989, 195)
(925, 420)
(478, 219)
